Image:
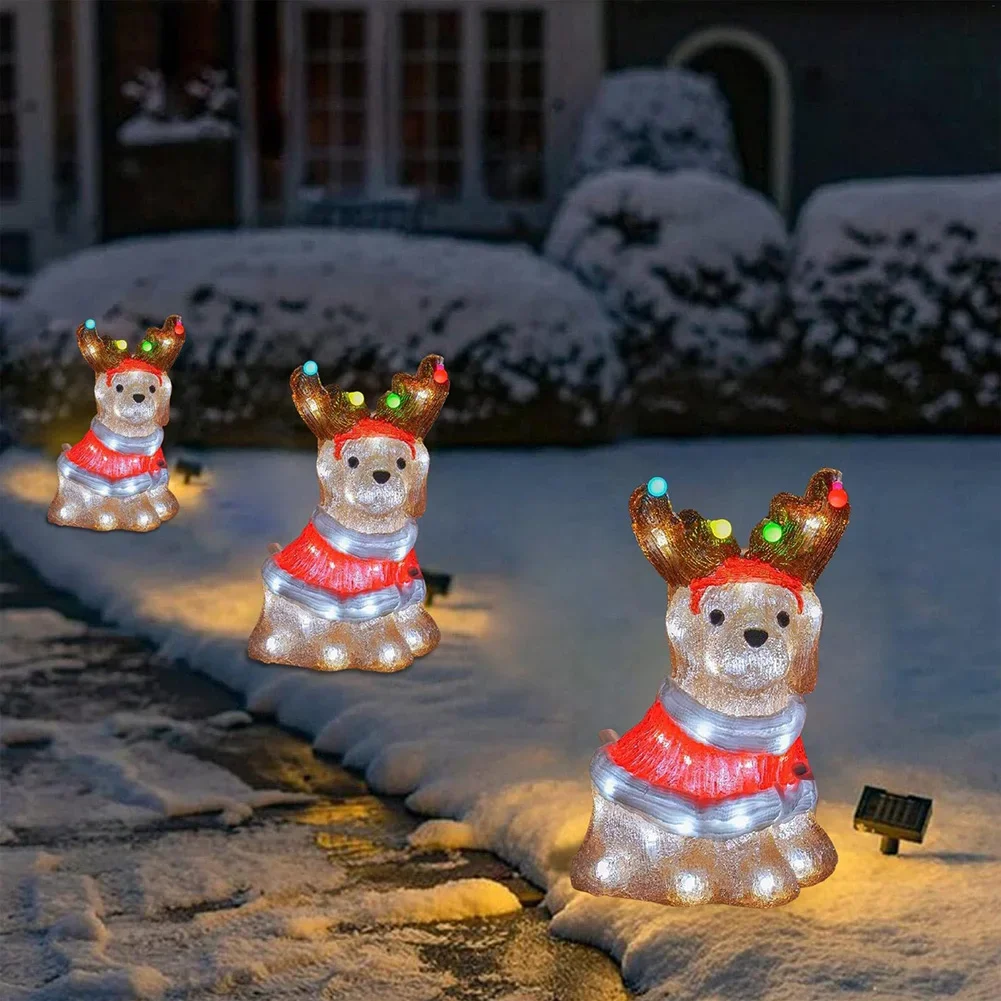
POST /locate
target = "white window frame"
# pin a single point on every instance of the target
(573, 61)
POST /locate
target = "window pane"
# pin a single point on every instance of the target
(336, 99)
(513, 141)
(430, 122)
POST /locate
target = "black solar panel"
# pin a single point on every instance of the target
(893, 816)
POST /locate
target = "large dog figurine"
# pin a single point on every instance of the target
(116, 476)
(348, 592)
(710, 798)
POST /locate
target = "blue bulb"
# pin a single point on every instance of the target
(90, 324)
(656, 486)
(310, 368)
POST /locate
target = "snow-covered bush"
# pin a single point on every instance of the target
(692, 266)
(665, 119)
(530, 351)
(896, 301)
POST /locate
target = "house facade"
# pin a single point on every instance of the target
(121, 117)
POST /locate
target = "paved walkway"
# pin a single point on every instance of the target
(159, 843)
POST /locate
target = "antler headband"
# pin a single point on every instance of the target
(158, 349)
(793, 544)
(406, 411)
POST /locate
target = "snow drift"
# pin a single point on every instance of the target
(665, 119)
(896, 302)
(692, 266)
(529, 350)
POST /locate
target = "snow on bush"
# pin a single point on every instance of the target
(530, 351)
(896, 299)
(692, 265)
(665, 119)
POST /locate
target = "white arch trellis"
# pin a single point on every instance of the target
(781, 93)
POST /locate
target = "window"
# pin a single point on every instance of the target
(431, 102)
(10, 179)
(336, 100)
(513, 96)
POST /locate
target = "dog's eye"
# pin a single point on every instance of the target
(152, 389)
(119, 388)
(782, 619)
(353, 461)
(716, 616)
(401, 463)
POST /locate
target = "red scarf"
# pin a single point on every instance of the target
(658, 751)
(311, 559)
(91, 454)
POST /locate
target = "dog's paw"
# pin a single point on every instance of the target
(806, 848)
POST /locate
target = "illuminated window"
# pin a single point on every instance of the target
(335, 99)
(431, 102)
(513, 95)
(10, 179)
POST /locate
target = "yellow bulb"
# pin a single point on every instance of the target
(721, 528)
(356, 399)
(121, 345)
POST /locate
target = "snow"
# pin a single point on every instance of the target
(895, 298)
(515, 330)
(665, 119)
(553, 630)
(692, 265)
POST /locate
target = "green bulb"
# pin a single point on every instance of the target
(771, 531)
(393, 400)
(147, 345)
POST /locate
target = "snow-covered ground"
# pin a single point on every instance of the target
(554, 629)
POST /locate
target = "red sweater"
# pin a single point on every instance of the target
(91, 454)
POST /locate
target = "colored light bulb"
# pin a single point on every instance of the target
(440, 375)
(356, 399)
(771, 531)
(393, 400)
(121, 345)
(90, 324)
(147, 345)
(310, 367)
(656, 486)
(837, 497)
(179, 327)
(721, 528)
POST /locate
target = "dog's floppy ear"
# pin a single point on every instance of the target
(162, 415)
(802, 675)
(417, 495)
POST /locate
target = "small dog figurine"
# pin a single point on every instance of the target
(710, 798)
(116, 476)
(348, 592)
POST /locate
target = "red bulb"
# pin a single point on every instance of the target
(179, 327)
(838, 497)
(440, 375)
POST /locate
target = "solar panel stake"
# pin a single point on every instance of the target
(889, 846)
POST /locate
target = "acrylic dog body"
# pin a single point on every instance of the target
(116, 476)
(348, 592)
(710, 798)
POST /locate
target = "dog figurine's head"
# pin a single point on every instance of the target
(132, 389)
(744, 626)
(372, 464)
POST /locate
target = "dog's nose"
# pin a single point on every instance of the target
(755, 637)
(380, 476)
(138, 397)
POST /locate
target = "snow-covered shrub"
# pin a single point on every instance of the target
(530, 352)
(692, 266)
(896, 301)
(665, 119)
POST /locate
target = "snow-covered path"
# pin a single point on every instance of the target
(554, 630)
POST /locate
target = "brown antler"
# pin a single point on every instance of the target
(326, 412)
(681, 547)
(101, 353)
(418, 398)
(811, 527)
(161, 345)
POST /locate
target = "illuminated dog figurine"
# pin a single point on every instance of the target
(710, 798)
(348, 592)
(116, 476)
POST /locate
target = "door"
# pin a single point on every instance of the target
(26, 190)
(168, 116)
